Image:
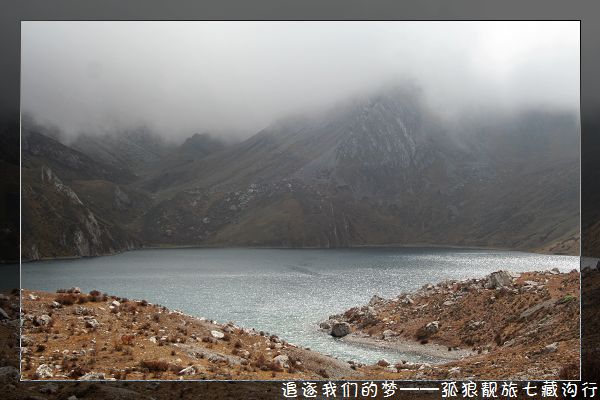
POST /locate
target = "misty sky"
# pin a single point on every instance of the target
(236, 77)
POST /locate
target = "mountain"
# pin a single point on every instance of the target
(379, 169)
(58, 221)
(134, 149)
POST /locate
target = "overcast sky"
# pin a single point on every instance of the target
(186, 77)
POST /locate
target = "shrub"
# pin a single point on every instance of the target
(95, 296)
(155, 365)
(66, 299)
(82, 299)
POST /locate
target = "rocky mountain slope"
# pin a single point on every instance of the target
(377, 169)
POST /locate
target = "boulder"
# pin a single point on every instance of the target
(217, 334)
(43, 320)
(383, 362)
(115, 304)
(44, 371)
(432, 327)
(340, 329)
(499, 279)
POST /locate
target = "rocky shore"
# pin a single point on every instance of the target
(504, 326)
(93, 336)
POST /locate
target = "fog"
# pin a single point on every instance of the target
(234, 78)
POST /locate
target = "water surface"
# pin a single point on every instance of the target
(282, 291)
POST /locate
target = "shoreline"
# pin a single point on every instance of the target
(369, 246)
(405, 346)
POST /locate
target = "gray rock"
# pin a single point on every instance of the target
(383, 362)
(191, 370)
(92, 323)
(388, 333)
(217, 334)
(44, 371)
(551, 348)
(499, 279)
(43, 320)
(432, 327)
(93, 376)
(375, 299)
(340, 329)
(3, 314)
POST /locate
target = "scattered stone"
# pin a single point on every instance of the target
(93, 376)
(3, 314)
(282, 360)
(92, 323)
(217, 334)
(56, 304)
(325, 325)
(33, 296)
(551, 348)
(340, 329)
(74, 290)
(191, 370)
(375, 299)
(448, 303)
(555, 271)
(115, 304)
(388, 333)
(73, 397)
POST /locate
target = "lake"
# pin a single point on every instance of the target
(286, 292)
